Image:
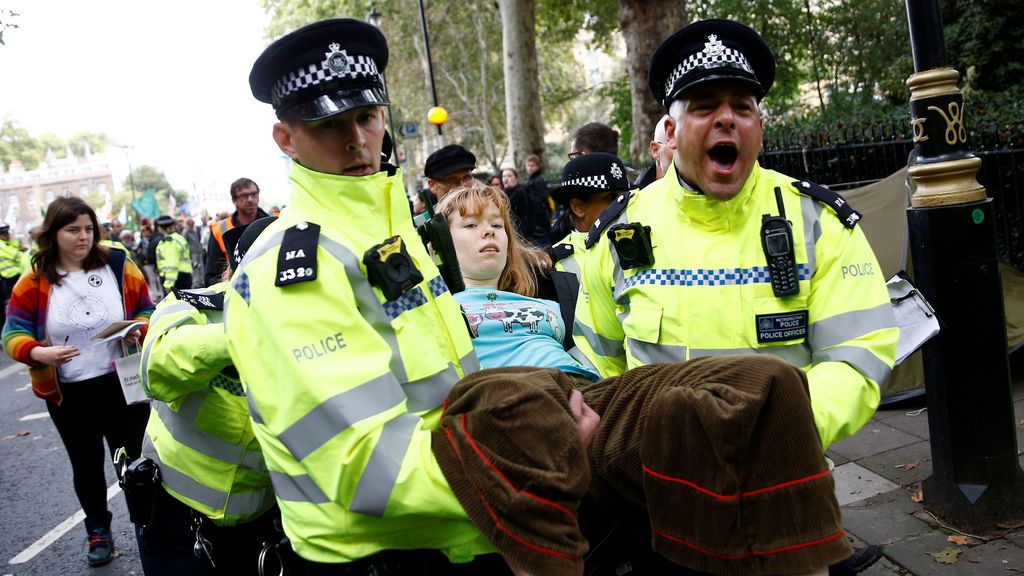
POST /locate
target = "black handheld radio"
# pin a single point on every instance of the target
(777, 243)
(433, 230)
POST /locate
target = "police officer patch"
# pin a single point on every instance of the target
(781, 327)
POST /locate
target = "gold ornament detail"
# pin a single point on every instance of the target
(918, 125)
(955, 130)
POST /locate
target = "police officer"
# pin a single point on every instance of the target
(722, 256)
(216, 508)
(11, 266)
(342, 329)
(173, 258)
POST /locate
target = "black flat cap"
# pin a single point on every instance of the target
(322, 69)
(448, 160)
(710, 50)
(589, 174)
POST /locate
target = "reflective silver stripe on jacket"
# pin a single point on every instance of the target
(381, 472)
(861, 359)
(571, 265)
(183, 430)
(170, 308)
(849, 326)
(797, 355)
(297, 488)
(234, 504)
(582, 359)
(338, 413)
(648, 353)
(811, 212)
(600, 344)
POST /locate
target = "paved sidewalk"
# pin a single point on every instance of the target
(877, 472)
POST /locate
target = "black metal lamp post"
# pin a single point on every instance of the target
(430, 63)
(375, 17)
(976, 482)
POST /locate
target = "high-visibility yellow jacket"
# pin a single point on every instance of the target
(708, 293)
(10, 259)
(172, 258)
(344, 387)
(199, 431)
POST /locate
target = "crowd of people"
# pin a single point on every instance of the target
(636, 374)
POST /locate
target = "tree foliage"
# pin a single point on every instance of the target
(16, 143)
(6, 22)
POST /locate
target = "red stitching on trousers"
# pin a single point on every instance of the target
(541, 549)
(487, 461)
(815, 476)
(756, 553)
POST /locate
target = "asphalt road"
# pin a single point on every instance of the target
(42, 523)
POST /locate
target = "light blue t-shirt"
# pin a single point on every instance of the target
(514, 330)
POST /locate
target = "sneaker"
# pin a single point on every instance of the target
(101, 542)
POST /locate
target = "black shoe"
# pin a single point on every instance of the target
(101, 542)
(862, 559)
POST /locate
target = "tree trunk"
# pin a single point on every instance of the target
(645, 24)
(522, 85)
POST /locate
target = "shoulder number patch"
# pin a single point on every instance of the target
(297, 260)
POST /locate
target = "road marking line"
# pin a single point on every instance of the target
(55, 534)
(13, 368)
(23, 388)
(35, 416)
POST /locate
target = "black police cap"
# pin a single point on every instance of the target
(4, 228)
(710, 50)
(448, 160)
(589, 174)
(164, 221)
(322, 69)
(239, 239)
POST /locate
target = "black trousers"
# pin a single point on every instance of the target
(92, 410)
(166, 547)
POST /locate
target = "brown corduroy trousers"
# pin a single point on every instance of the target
(723, 454)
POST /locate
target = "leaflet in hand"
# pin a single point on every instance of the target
(117, 329)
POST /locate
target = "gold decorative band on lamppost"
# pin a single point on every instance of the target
(946, 172)
(946, 183)
(938, 82)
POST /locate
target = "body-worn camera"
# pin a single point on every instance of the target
(390, 268)
(632, 243)
(777, 243)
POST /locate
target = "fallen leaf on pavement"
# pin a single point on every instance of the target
(23, 433)
(947, 556)
(959, 540)
(913, 465)
(917, 496)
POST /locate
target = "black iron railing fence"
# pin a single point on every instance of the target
(848, 157)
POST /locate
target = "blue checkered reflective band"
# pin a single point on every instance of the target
(241, 286)
(407, 301)
(708, 277)
(233, 388)
(437, 286)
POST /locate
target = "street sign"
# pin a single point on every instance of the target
(408, 130)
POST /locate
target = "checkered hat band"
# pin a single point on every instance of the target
(588, 182)
(313, 74)
(727, 57)
(709, 277)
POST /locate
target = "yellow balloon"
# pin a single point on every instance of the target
(437, 116)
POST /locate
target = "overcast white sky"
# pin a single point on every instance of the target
(169, 79)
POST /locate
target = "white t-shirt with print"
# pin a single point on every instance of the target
(84, 303)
